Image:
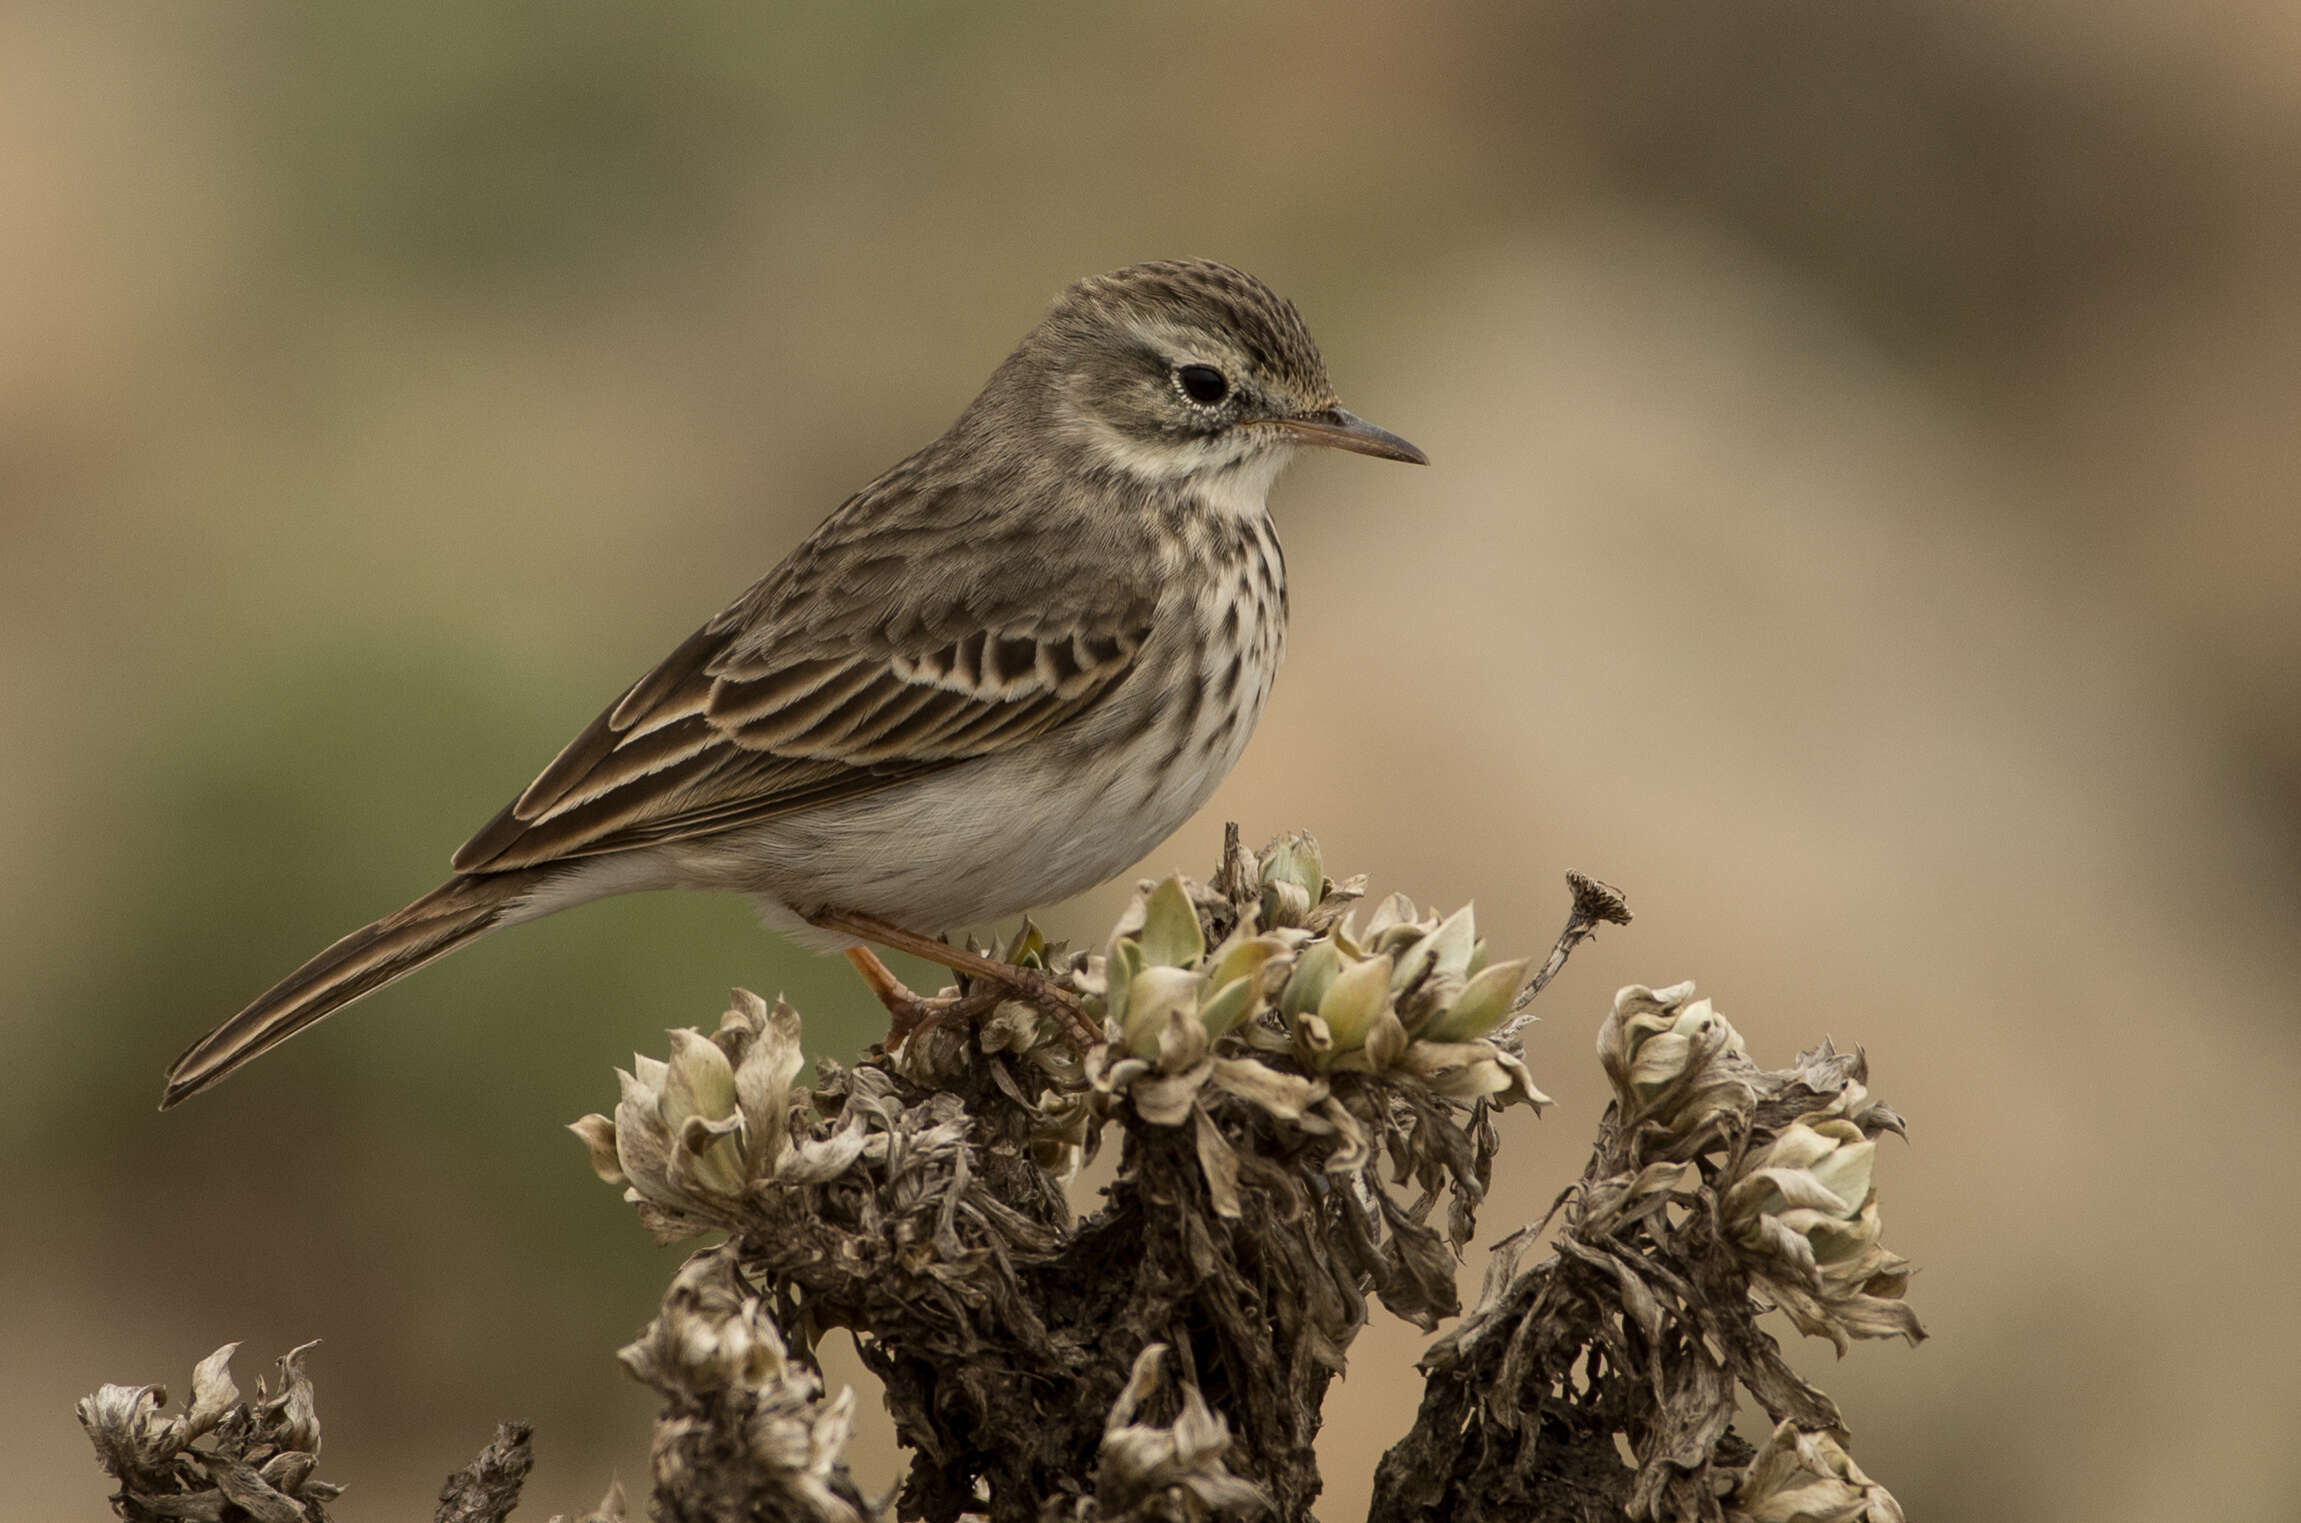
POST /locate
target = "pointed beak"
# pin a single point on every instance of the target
(1337, 429)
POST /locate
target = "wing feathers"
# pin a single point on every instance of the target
(773, 726)
(640, 756)
(887, 731)
(737, 700)
(716, 737)
(691, 660)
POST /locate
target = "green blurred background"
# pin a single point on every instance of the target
(1864, 527)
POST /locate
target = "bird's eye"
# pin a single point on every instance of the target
(1203, 384)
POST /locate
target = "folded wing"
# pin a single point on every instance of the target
(729, 731)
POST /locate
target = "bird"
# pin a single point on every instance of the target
(995, 677)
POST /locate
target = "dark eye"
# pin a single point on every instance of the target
(1203, 384)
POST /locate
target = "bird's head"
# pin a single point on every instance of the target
(1186, 368)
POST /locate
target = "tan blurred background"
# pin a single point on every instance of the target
(1863, 526)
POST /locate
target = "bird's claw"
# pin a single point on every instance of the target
(993, 982)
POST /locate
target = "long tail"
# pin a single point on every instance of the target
(459, 910)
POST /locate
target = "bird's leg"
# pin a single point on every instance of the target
(1023, 982)
(908, 1011)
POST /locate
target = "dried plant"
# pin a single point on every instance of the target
(1293, 1095)
(1717, 1190)
(225, 1460)
(220, 1459)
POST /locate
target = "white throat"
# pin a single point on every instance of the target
(1241, 489)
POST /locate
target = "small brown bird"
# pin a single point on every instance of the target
(995, 677)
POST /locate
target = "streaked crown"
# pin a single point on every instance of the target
(1198, 298)
(1172, 369)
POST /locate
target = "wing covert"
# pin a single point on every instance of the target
(724, 734)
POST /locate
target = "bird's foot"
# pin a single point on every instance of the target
(1024, 984)
(907, 1011)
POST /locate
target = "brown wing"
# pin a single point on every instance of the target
(726, 733)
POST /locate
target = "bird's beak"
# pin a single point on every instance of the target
(1337, 429)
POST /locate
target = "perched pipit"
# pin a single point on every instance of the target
(997, 676)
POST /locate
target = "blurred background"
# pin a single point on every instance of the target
(1863, 526)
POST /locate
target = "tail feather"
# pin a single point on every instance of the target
(458, 911)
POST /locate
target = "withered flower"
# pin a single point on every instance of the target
(1296, 893)
(220, 1457)
(690, 1135)
(1802, 1477)
(1415, 997)
(1674, 1059)
(1142, 1466)
(745, 1418)
(1806, 1211)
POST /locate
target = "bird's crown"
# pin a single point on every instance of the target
(1166, 299)
(1165, 371)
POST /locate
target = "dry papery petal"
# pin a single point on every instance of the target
(1802, 1477)
(1652, 1035)
(1805, 1208)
